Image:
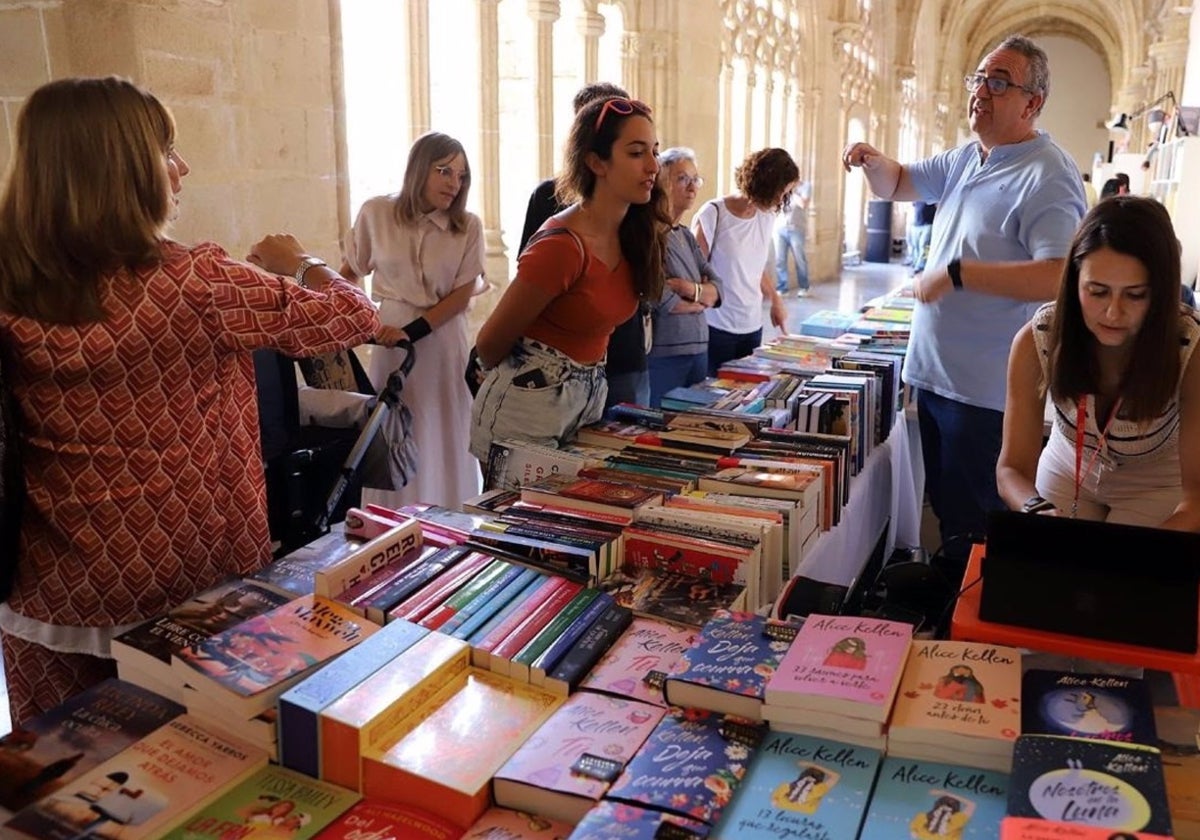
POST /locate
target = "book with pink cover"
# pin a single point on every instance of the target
(506, 824)
(958, 702)
(377, 819)
(243, 670)
(636, 665)
(446, 762)
(568, 764)
(846, 665)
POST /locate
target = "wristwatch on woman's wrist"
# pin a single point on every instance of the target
(1036, 504)
(305, 264)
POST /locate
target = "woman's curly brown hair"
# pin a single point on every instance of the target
(764, 178)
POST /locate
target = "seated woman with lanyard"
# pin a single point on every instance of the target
(1115, 354)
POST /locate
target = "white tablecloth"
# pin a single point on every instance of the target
(886, 492)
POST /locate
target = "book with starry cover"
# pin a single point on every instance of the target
(1088, 782)
(1104, 706)
(727, 667)
(622, 821)
(691, 765)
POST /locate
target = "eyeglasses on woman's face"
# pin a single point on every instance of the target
(621, 105)
(448, 172)
(996, 86)
(685, 180)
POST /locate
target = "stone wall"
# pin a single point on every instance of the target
(250, 83)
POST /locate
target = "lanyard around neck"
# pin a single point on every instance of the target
(1080, 422)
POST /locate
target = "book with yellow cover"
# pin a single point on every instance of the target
(365, 715)
(446, 763)
(958, 702)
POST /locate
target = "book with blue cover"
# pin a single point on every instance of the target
(620, 821)
(800, 786)
(1103, 784)
(925, 800)
(1102, 706)
(727, 667)
(691, 765)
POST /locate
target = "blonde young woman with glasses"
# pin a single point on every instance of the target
(425, 252)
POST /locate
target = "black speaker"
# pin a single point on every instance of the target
(879, 215)
(879, 246)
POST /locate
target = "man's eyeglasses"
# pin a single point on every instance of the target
(445, 171)
(995, 85)
(685, 180)
(622, 106)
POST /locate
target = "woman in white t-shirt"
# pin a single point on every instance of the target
(734, 233)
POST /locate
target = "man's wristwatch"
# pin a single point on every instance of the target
(1036, 504)
(305, 264)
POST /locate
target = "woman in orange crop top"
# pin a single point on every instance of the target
(545, 343)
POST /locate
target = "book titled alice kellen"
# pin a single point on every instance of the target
(243, 670)
(1097, 783)
(568, 764)
(800, 786)
(691, 764)
(843, 665)
(927, 801)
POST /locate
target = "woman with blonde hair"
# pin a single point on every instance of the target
(128, 356)
(425, 254)
(587, 271)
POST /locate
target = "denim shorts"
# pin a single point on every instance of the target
(538, 394)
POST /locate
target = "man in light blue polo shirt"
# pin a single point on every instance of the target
(1008, 205)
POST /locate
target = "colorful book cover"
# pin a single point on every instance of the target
(492, 603)
(370, 712)
(927, 800)
(622, 821)
(843, 664)
(377, 605)
(691, 765)
(244, 669)
(445, 764)
(800, 786)
(1179, 742)
(636, 665)
(500, 656)
(1103, 706)
(506, 824)
(670, 596)
(386, 549)
(144, 791)
(521, 663)
(1097, 783)
(378, 819)
(273, 803)
(961, 695)
(566, 639)
(150, 646)
(47, 752)
(727, 667)
(567, 765)
(300, 706)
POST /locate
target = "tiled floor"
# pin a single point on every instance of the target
(857, 285)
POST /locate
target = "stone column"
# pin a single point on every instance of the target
(544, 13)
(591, 27)
(631, 47)
(725, 164)
(748, 116)
(495, 259)
(418, 65)
(769, 98)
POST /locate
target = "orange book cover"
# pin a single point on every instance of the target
(243, 670)
(446, 763)
(373, 710)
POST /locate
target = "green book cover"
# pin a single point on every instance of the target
(552, 631)
(274, 802)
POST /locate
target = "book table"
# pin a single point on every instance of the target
(966, 625)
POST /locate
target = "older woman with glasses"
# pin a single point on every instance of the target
(586, 271)
(426, 254)
(680, 353)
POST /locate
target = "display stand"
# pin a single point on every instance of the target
(968, 627)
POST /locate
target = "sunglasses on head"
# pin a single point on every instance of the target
(622, 106)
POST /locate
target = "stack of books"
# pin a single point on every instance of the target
(839, 678)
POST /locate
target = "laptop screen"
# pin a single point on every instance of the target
(1121, 583)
